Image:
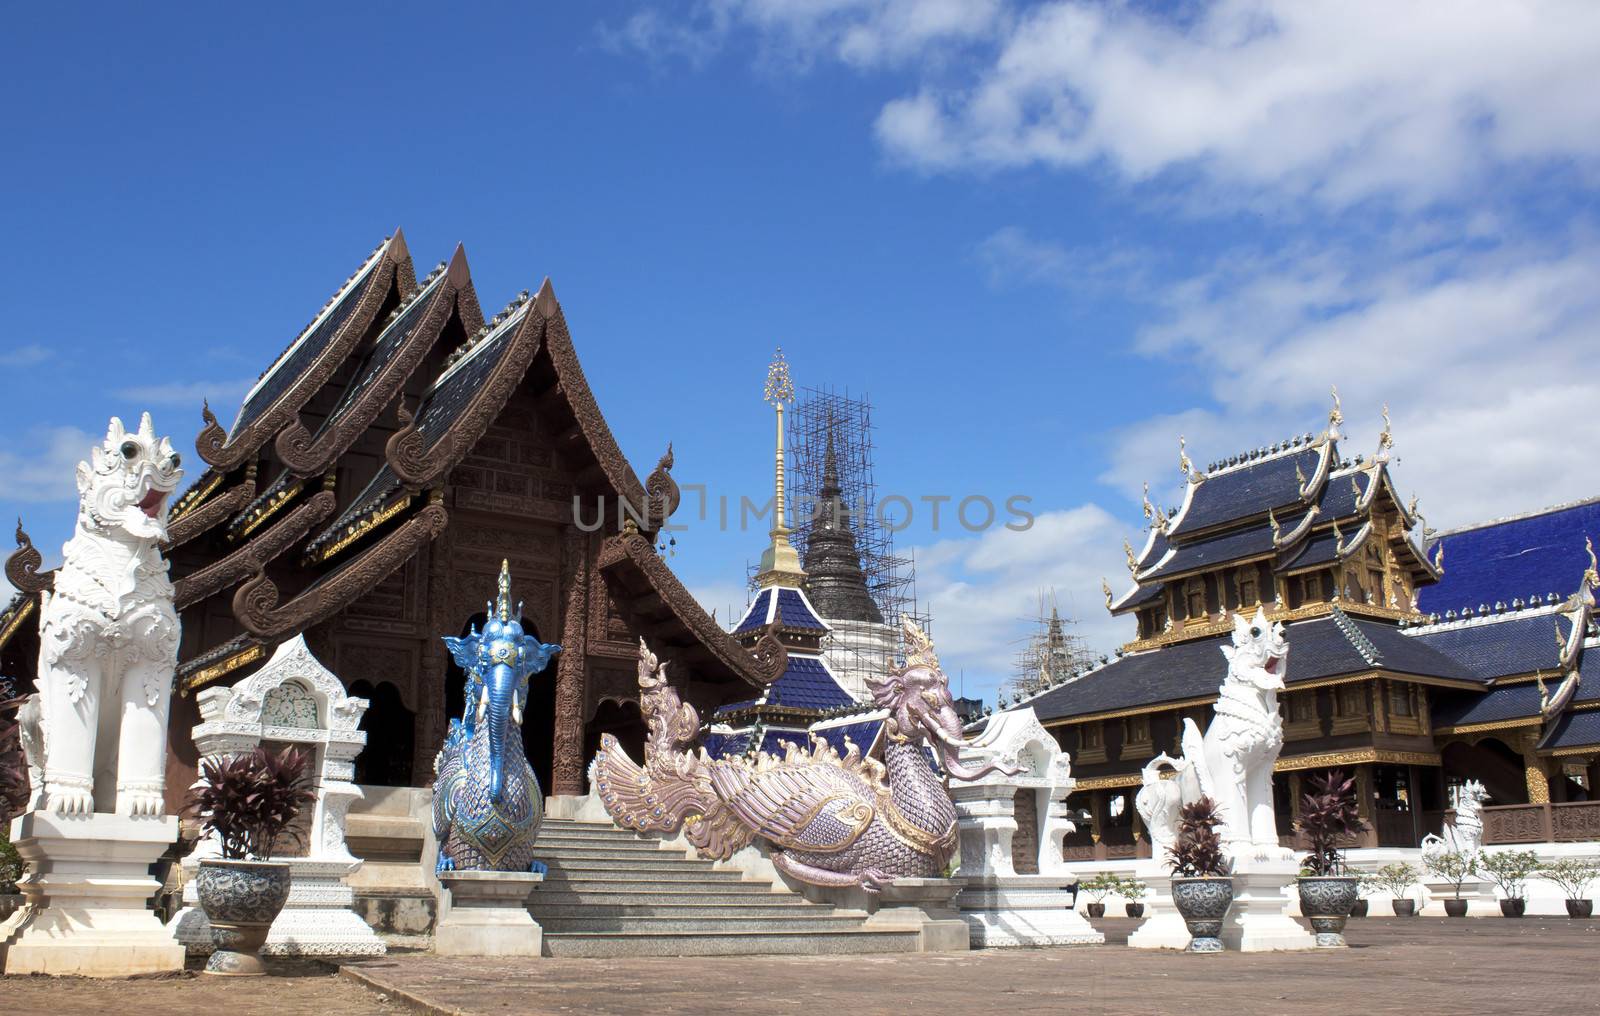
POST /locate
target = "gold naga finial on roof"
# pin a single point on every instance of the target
(1184, 465)
(1105, 587)
(1133, 563)
(1411, 506)
(1338, 537)
(1149, 509)
(1591, 575)
(1336, 414)
(1385, 439)
(1272, 520)
(1355, 485)
(1300, 477)
(1544, 693)
(1438, 557)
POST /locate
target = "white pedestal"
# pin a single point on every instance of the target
(1163, 927)
(488, 915)
(317, 920)
(1482, 899)
(1259, 919)
(923, 904)
(1023, 910)
(87, 895)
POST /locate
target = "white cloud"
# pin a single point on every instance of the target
(29, 355)
(982, 589)
(1485, 357)
(189, 394)
(795, 33)
(47, 470)
(1339, 100)
(727, 599)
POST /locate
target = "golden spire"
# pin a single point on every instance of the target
(1105, 587)
(502, 599)
(780, 562)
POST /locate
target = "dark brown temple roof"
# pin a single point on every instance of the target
(326, 563)
(656, 604)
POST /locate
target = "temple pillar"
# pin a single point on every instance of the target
(431, 721)
(1534, 772)
(567, 765)
(1368, 837)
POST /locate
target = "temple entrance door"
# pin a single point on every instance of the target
(621, 720)
(391, 735)
(538, 719)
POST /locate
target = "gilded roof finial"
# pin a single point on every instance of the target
(1105, 587)
(1336, 414)
(1184, 465)
(1133, 564)
(1591, 575)
(780, 562)
(1300, 477)
(1438, 557)
(1385, 439)
(1272, 520)
(502, 598)
(1338, 538)
(1149, 509)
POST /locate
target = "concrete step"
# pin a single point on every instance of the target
(619, 847)
(802, 923)
(656, 873)
(586, 862)
(543, 910)
(593, 894)
(601, 944)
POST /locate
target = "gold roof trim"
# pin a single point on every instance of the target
(1483, 728)
(200, 678)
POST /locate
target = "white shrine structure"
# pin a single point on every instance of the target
(1018, 891)
(293, 701)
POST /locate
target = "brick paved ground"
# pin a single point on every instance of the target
(1418, 966)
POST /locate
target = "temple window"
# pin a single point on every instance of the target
(1350, 708)
(1195, 599)
(1247, 589)
(1135, 735)
(1091, 742)
(1400, 699)
(1303, 719)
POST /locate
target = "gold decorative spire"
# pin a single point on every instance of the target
(1438, 557)
(1105, 587)
(780, 562)
(502, 599)
(1133, 563)
(1385, 439)
(1335, 415)
(1591, 574)
(1184, 465)
(1149, 509)
(1272, 520)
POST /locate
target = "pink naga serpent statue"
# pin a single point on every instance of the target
(831, 820)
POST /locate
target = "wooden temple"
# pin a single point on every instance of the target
(374, 478)
(1385, 680)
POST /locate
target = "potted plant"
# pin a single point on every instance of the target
(1132, 890)
(1328, 818)
(1573, 876)
(1455, 867)
(1397, 879)
(1201, 888)
(1098, 886)
(1366, 881)
(247, 801)
(1510, 871)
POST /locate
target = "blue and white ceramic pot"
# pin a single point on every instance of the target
(1203, 903)
(1326, 901)
(241, 900)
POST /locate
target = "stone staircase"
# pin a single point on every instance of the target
(611, 893)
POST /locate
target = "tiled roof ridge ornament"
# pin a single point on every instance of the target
(1335, 416)
(1133, 563)
(1187, 467)
(832, 821)
(1385, 439)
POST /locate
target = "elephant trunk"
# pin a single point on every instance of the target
(501, 692)
(946, 731)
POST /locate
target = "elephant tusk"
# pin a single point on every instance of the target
(483, 704)
(516, 714)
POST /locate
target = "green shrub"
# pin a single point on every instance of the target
(1510, 870)
(11, 866)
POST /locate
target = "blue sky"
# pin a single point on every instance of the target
(1045, 238)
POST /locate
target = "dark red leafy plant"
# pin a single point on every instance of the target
(251, 799)
(1329, 817)
(1198, 850)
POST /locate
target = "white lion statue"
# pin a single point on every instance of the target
(1466, 835)
(1233, 761)
(109, 635)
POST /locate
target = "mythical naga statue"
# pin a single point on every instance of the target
(833, 821)
(487, 804)
(108, 636)
(1233, 762)
(1466, 835)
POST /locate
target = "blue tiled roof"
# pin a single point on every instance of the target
(1519, 558)
(1247, 490)
(861, 734)
(1158, 547)
(756, 616)
(1252, 541)
(1147, 593)
(1338, 499)
(794, 613)
(806, 684)
(1499, 648)
(1318, 648)
(726, 745)
(1460, 709)
(774, 742)
(1573, 730)
(1316, 549)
